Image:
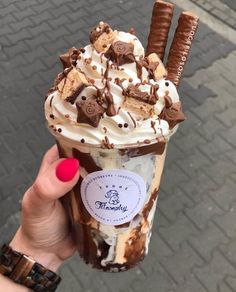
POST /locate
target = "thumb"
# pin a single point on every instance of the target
(51, 184)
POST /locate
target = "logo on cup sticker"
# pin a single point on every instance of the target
(113, 197)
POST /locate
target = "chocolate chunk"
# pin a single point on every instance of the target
(72, 85)
(121, 53)
(89, 112)
(135, 92)
(70, 57)
(172, 113)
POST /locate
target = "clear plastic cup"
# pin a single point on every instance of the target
(108, 237)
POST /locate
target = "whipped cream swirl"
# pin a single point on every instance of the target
(127, 126)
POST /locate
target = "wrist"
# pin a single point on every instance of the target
(47, 259)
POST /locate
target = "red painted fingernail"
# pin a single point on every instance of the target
(67, 169)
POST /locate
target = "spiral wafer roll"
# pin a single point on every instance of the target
(160, 25)
(181, 44)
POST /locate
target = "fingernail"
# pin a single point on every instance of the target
(67, 169)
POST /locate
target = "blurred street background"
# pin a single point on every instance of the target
(193, 246)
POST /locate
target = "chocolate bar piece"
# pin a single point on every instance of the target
(89, 112)
(160, 25)
(68, 59)
(121, 53)
(181, 44)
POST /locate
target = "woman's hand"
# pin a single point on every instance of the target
(44, 232)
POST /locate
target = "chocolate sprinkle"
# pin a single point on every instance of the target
(82, 140)
(132, 31)
(59, 130)
(106, 143)
(52, 116)
(147, 141)
(126, 125)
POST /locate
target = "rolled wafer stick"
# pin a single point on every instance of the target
(180, 47)
(160, 25)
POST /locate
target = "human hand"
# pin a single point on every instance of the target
(44, 232)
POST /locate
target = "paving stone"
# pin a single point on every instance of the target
(191, 284)
(224, 196)
(178, 232)
(215, 148)
(220, 170)
(157, 280)
(208, 240)
(174, 204)
(203, 212)
(181, 263)
(225, 221)
(216, 270)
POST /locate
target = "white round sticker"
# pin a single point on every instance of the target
(113, 197)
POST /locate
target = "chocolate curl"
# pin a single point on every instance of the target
(160, 25)
(180, 47)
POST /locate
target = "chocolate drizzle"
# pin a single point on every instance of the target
(153, 126)
(106, 143)
(86, 161)
(133, 120)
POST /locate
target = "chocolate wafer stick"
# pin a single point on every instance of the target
(181, 44)
(160, 25)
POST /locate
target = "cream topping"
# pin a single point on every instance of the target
(126, 127)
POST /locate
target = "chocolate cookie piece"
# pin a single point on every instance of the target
(89, 112)
(156, 68)
(141, 110)
(102, 36)
(72, 85)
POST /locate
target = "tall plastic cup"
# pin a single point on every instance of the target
(111, 209)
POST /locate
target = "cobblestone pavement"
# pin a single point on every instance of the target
(193, 245)
(224, 10)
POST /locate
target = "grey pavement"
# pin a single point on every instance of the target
(193, 244)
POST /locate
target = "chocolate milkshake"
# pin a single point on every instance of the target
(114, 109)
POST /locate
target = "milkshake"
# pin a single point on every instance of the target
(114, 108)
